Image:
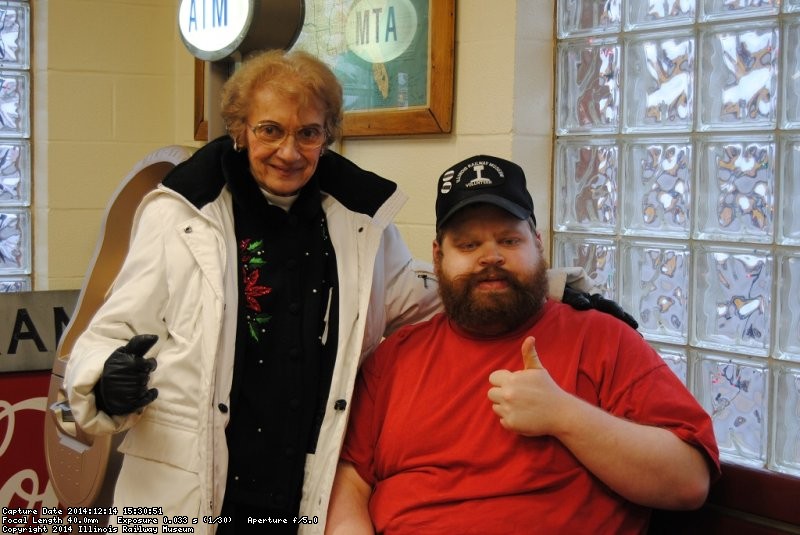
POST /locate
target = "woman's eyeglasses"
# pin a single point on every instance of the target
(307, 137)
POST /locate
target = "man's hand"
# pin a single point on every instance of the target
(645, 464)
(584, 301)
(527, 401)
(122, 388)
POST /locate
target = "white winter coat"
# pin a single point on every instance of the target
(179, 282)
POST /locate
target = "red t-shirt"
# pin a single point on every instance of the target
(424, 435)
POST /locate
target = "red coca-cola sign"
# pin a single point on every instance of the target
(24, 481)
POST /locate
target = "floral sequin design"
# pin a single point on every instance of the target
(252, 257)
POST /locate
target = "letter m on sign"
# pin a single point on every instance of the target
(362, 28)
(220, 13)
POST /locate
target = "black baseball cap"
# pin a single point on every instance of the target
(483, 179)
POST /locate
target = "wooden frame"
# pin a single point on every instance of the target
(744, 500)
(434, 118)
(200, 127)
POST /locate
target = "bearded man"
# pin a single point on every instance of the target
(511, 412)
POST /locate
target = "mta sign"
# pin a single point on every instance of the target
(379, 31)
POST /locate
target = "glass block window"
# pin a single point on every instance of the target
(15, 147)
(677, 189)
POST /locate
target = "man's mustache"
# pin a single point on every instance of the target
(491, 273)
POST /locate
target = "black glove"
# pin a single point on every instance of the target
(583, 301)
(122, 389)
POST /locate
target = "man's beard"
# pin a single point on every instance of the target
(490, 314)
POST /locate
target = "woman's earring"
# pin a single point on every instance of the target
(236, 146)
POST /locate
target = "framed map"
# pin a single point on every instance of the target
(394, 59)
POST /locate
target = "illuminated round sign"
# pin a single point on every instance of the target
(378, 31)
(216, 29)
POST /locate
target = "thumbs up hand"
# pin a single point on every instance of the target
(122, 388)
(527, 401)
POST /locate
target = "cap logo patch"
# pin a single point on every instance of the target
(483, 171)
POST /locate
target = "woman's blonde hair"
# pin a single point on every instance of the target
(297, 74)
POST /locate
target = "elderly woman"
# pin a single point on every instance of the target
(265, 266)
